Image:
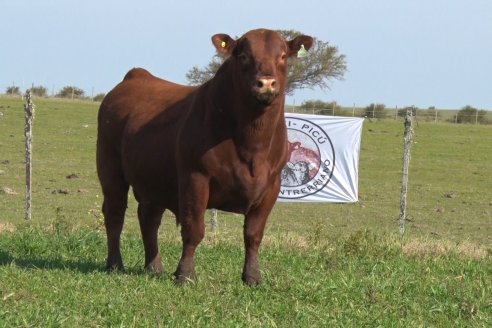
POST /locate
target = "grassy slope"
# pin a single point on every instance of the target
(319, 268)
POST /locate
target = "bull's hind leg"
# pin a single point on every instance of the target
(149, 217)
(115, 191)
(114, 207)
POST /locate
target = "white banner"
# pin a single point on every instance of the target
(324, 159)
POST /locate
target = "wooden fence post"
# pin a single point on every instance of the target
(29, 115)
(213, 220)
(408, 136)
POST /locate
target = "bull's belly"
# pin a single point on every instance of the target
(238, 197)
(163, 195)
(166, 196)
(153, 182)
(235, 205)
(156, 181)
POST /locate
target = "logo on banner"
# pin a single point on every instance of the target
(311, 160)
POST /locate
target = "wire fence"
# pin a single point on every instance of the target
(377, 112)
(463, 194)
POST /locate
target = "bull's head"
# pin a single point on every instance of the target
(259, 61)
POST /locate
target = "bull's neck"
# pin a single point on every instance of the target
(254, 125)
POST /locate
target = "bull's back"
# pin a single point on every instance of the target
(136, 101)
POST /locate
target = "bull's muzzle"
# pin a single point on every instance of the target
(266, 89)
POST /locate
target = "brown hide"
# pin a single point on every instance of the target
(220, 145)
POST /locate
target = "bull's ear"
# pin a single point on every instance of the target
(224, 44)
(298, 42)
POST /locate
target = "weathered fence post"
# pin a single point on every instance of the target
(406, 164)
(213, 220)
(29, 114)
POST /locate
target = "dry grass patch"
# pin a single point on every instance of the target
(6, 227)
(289, 241)
(439, 248)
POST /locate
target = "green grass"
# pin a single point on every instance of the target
(55, 279)
(323, 264)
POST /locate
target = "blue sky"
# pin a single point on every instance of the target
(400, 53)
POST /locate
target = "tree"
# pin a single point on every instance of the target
(322, 64)
(198, 76)
(71, 92)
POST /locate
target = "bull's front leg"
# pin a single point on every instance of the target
(254, 225)
(192, 206)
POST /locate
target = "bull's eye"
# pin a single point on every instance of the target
(243, 58)
(283, 59)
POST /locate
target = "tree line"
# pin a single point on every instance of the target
(467, 114)
(316, 69)
(70, 92)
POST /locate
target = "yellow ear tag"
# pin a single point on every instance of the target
(223, 44)
(302, 52)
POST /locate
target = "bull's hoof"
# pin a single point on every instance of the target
(110, 268)
(185, 273)
(251, 280)
(114, 263)
(181, 280)
(155, 267)
(251, 274)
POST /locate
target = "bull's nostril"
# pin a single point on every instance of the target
(259, 84)
(273, 84)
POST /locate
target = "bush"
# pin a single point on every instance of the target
(39, 91)
(469, 114)
(431, 114)
(320, 107)
(375, 111)
(12, 90)
(403, 111)
(71, 92)
(99, 97)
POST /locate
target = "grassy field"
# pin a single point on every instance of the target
(323, 264)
